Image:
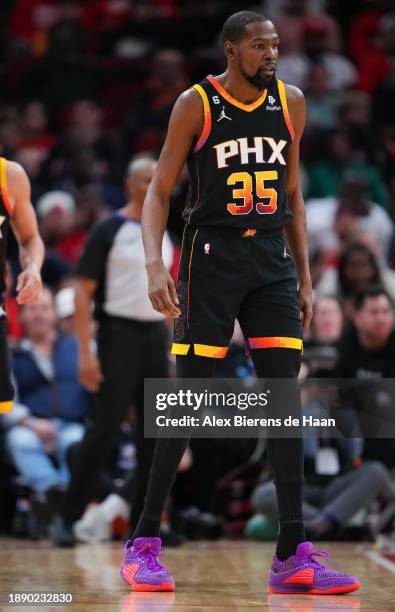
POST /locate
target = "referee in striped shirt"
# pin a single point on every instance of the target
(132, 344)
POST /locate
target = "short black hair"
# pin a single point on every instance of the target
(372, 291)
(234, 27)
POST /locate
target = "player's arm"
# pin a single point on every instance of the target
(296, 230)
(24, 226)
(186, 123)
(89, 369)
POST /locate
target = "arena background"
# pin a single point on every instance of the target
(87, 85)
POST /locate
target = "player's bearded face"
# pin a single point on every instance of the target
(258, 80)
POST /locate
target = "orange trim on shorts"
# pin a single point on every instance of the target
(178, 348)
(275, 342)
(232, 100)
(6, 406)
(206, 350)
(207, 118)
(3, 185)
(283, 100)
(202, 350)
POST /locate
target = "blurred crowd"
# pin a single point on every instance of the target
(88, 84)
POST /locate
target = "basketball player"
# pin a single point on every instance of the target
(240, 133)
(16, 210)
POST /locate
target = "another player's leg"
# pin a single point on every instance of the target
(294, 568)
(141, 569)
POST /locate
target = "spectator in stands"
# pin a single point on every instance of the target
(295, 67)
(320, 101)
(55, 213)
(363, 35)
(332, 221)
(326, 175)
(34, 126)
(372, 241)
(367, 357)
(327, 321)
(151, 107)
(353, 118)
(290, 17)
(9, 131)
(65, 72)
(54, 403)
(320, 348)
(336, 487)
(64, 307)
(358, 269)
(377, 66)
(316, 38)
(90, 209)
(31, 20)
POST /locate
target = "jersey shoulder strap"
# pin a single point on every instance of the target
(207, 124)
(3, 186)
(284, 105)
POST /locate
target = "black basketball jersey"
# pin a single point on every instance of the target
(238, 165)
(5, 214)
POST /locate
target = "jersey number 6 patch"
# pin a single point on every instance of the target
(245, 192)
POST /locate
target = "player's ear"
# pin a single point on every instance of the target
(229, 50)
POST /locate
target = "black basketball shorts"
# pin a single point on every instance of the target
(227, 274)
(6, 388)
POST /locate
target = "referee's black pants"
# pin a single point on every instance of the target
(129, 351)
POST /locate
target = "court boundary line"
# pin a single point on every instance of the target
(375, 556)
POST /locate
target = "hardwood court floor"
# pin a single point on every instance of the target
(218, 577)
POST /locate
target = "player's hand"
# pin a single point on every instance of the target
(305, 296)
(162, 290)
(89, 371)
(28, 286)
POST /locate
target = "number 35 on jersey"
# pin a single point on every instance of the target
(252, 187)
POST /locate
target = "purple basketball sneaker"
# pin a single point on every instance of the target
(302, 574)
(141, 570)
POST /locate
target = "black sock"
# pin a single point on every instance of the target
(167, 457)
(285, 455)
(168, 454)
(291, 533)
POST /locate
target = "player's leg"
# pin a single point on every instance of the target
(156, 366)
(141, 569)
(168, 454)
(285, 455)
(209, 286)
(294, 569)
(270, 319)
(145, 448)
